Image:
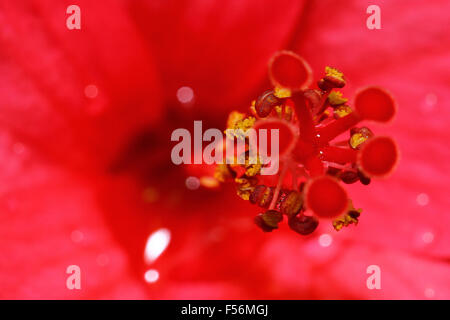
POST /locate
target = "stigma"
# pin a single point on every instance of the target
(321, 147)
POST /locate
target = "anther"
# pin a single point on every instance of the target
(358, 136)
(364, 180)
(259, 221)
(268, 220)
(302, 224)
(349, 177)
(261, 196)
(292, 203)
(265, 103)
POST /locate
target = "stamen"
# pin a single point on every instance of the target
(308, 120)
(337, 127)
(315, 100)
(349, 177)
(303, 225)
(278, 187)
(292, 204)
(259, 221)
(359, 136)
(265, 103)
(333, 79)
(272, 218)
(342, 111)
(336, 99)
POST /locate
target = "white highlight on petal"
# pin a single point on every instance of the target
(102, 259)
(18, 148)
(91, 91)
(428, 237)
(429, 102)
(325, 240)
(422, 199)
(151, 276)
(185, 95)
(77, 236)
(429, 293)
(192, 183)
(157, 242)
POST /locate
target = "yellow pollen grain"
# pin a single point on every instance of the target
(342, 111)
(245, 187)
(253, 169)
(357, 139)
(233, 118)
(279, 111)
(282, 92)
(335, 98)
(238, 122)
(333, 72)
(222, 173)
(346, 220)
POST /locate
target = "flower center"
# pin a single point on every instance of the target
(313, 164)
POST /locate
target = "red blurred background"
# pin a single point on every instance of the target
(86, 177)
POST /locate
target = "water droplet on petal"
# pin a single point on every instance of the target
(102, 260)
(429, 293)
(185, 95)
(325, 240)
(428, 237)
(77, 236)
(422, 199)
(91, 91)
(192, 183)
(18, 148)
(429, 102)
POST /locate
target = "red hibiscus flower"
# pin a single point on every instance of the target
(86, 117)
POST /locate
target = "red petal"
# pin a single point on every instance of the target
(218, 48)
(46, 69)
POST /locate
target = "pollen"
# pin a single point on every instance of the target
(282, 92)
(253, 169)
(359, 136)
(223, 173)
(335, 98)
(315, 166)
(342, 111)
(351, 217)
(335, 73)
(356, 140)
(237, 120)
(238, 123)
(245, 186)
(233, 118)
